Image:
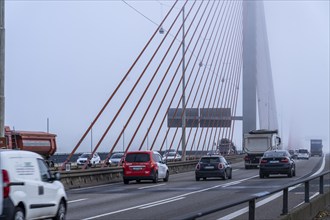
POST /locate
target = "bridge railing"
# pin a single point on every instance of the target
(252, 199)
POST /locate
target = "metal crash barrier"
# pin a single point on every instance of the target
(252, 200)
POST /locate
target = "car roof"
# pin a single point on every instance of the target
(212, 155)
(276, 151)
(13, 152)
(141, 152)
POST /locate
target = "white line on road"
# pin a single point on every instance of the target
(172, 199)
(146, 187)
(78, 200)
(309, 198)
(130, 208)
(93, 187)
(161, 203)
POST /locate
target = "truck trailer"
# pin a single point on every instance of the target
(256, 143)
(42, 143)
(316, 147)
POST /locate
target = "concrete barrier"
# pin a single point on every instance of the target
(309, 210)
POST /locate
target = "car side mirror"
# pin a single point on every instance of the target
(56, 176)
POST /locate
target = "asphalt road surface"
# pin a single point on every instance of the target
(182, 195)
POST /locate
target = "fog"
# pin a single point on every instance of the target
(64, 59)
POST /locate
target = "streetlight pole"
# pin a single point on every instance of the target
(183, 93)
(2, 68)
(91, 140)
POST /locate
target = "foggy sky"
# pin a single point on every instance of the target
(64, 59)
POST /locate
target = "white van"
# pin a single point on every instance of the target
(29, 189)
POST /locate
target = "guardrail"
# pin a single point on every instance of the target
(252, 200)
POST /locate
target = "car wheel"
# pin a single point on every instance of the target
(138, 181)
(60, 215)
(247, 167)
(204, 178)
(167, 176)
(294, 171)
(126, 181)
(261, 175)
(19, 214)
(224, 175)
(155, 180)
(290, 174)
(197, 178)
(230, 176)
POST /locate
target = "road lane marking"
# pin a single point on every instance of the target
(309, 198)
(161, 203)
(128, 209)
(264, 201)
(78, 200)
(146, 187)
(93, 187)
(238, 181)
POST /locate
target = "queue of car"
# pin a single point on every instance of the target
(30, 169)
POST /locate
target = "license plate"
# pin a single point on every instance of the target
(137, 168)
(209, 167)
(274, 161)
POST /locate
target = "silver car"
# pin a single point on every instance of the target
(116, 159)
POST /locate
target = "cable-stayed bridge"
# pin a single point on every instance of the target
(182, 90)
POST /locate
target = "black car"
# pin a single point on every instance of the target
(277, 162)
(213, 166)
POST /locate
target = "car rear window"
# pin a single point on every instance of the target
(117, 156)
(138, 157)
(303, 151)
(210, 160)
(275, 154)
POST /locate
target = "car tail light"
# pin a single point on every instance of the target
(6, 186)
(221, 166)
(263, 161)
(285, 160)
(198, 166)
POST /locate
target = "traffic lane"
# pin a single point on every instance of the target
(119, 196)
(270, 207)
(177, 207)
(243, 190)
(164, 207)
(129, 198)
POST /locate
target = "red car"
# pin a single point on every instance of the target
(144, 165)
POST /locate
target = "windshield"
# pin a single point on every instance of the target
(210, 160)
(138, 157)
(171, 154)
(85, 155)
(275, 154)
(117, 156)
(303, 151)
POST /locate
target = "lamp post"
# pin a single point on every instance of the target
(2, 69)
(183, 141)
